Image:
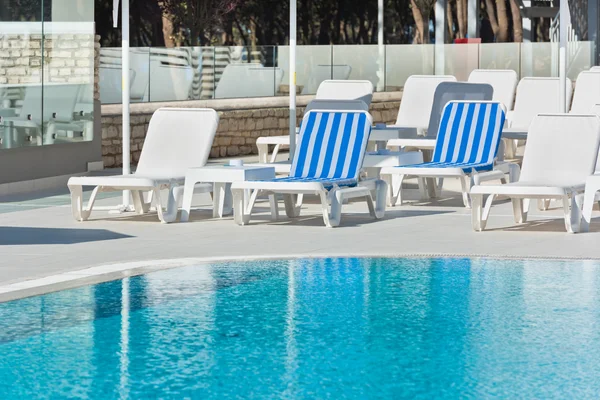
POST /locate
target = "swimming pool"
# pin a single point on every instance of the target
(322, 328)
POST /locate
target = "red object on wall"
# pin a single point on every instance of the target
(462, 41)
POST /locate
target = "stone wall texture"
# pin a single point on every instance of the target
(236, 136)
(60, 58)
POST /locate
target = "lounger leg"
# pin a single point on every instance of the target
(381, 190)
(588, 206)
(477, 213)
(514, 172)
(543, 204)
(275, 152)
(188, 195)
(520, 209)
(466, 183)
(140, 205)
(263, 152)
(572, 210)
(331, 220)
(170, 214)
(292, 210)
(394, 189)
(81, 213)
(239, 207)
(274, 207)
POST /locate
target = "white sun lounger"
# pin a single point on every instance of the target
(534, 96)
(504, 82)
(467, 144)
(328, 90)
(283, 167)
(553, 168)
(587, 92)
(415, 109)
(329, 157)
(323, 72)
(177, 139)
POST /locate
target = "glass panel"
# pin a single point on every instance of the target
(404, 60)
(313, 66)
(68, 94)
(460, 59)
(20, 74)
(358, 62)
(580, 58)
(246, 72)
(173, 73)
(500, 56)
(110, 74)
(539, 59)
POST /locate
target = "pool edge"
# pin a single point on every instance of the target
(114, 271)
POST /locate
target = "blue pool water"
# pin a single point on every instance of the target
(333, 328)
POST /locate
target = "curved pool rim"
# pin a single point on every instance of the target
(115, 271)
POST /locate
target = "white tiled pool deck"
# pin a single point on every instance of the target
(40, 239)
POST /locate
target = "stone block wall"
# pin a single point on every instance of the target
(236, 136)
(57, 58)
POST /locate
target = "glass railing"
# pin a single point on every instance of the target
(46, 83)
(194, 73)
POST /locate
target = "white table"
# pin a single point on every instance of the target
(374, 161)
(222, 177)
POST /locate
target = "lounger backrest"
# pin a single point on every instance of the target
(504, 82)
(537, 96)
(345, 90)
(455, 91)
(178, 139)
(417, 99)
(331, 145)
(561, 147)
(323, 72)
(346, 105)
(587, 92)
(470, 132)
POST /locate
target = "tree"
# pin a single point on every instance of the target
(421, 10)
(517, 21)
(198, 17)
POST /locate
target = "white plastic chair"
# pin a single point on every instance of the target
(504, 82)
(554, 167)
(177, 139)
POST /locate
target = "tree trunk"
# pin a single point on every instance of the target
(461, 16)
(491, 12)
(517, 21)
(421, 24)
(450, 21)
(502, 35)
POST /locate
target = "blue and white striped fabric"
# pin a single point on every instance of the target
(330, 148)
(469, 136)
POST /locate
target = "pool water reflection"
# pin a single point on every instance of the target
(340, 328)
